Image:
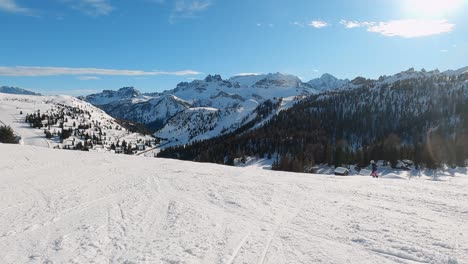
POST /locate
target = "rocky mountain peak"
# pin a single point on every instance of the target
(213, 78)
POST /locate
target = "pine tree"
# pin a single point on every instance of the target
(7, 135)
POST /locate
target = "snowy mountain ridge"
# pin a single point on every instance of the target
(327, 82)
(16, 90)
(460, 71)
(169, 112)
(109, 96)
(236, 99)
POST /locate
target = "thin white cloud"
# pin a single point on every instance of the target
(318, 24)
(412, 28)
(299, 24)
(188, 8)
(89, 7)
(356, 24)
(405, 28)
(56, 71)
(350, 24)
(92, 7)
(88, 78)
(443, 50)
(13, 7)
(247, 74)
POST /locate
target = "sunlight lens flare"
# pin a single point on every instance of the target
(432, 8)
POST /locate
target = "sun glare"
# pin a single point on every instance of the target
(432, 8)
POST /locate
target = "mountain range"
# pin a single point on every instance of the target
(416, 115)
(206, 108)
(219, 120)
(16, 90)
(203, 109)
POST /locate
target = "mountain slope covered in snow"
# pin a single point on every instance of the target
(73, 207)
(64, 122)
(154, 111)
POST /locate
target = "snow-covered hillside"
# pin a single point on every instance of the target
(194, 123)
(154, 111)
(51, 116)
(73, 207)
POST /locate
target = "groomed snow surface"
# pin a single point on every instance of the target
(60, 206)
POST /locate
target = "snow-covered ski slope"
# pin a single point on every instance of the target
(10, 107)
(60, 206)
(14, 107)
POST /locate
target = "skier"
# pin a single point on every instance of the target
(374, 169)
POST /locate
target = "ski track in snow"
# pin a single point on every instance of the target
(61, 206)
(9, 115)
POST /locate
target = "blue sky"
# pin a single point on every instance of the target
(82, 46)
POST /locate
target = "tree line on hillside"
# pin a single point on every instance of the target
(82, 132)
(134, 127)
(61, 117)
(424, 120)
